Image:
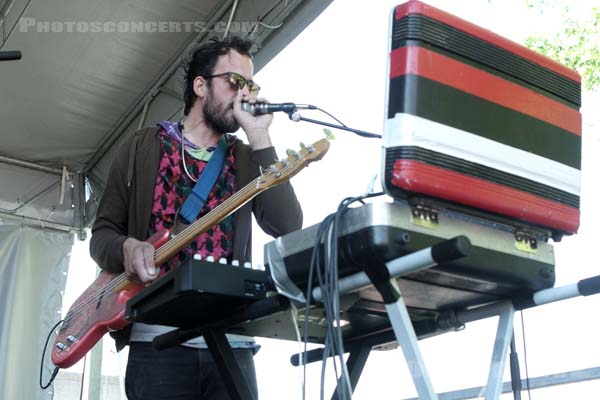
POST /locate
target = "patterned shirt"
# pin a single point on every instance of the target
(172, 188)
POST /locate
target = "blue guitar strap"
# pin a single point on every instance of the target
(199, 194)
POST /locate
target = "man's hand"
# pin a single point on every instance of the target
(138, 258)
(256, 127)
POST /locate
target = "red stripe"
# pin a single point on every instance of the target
(431, 65)
(416, 7)
(418, 177)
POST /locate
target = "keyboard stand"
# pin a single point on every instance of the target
(228, 366)
(383, 277)
(355, 364)
(214, 334)
(404, 332)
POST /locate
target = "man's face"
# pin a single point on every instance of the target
(218, 103)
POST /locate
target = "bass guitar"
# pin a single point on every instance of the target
(101, 307)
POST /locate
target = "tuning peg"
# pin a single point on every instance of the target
(198, 256)
(328, 135)
(235, 263)
(283, 162)
(302, 146)
(260, 267)
(293, 153)
(210, 258)
(222, 260)
(248, 265)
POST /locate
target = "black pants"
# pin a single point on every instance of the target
(180, 373)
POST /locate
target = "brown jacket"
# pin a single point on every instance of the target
(126, 204)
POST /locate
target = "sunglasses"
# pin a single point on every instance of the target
(237, 82)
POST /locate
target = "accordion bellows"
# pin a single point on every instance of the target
(478, 120)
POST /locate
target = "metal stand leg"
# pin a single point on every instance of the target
(407, 339)
(356, 362)
(501, 344)
(228, 366)
(380, 274)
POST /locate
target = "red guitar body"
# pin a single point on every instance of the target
(100, 309)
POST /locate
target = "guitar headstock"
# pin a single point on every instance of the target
(284, 169)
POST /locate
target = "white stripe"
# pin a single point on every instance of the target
(410, 130)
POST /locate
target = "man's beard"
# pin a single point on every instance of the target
(219, 116)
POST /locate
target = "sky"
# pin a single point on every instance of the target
(339, 64)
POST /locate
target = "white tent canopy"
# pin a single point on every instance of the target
(77, 93)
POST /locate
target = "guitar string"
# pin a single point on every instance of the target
(123, 277)
(186, 233)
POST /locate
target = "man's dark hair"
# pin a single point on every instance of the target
(201, 61)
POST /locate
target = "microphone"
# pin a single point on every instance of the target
(268, 108)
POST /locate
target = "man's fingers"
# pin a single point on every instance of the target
(148, 253)
(139, 266)
(260, 100)
(237, 103)
(139, 262)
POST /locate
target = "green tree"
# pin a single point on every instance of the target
(576, 45)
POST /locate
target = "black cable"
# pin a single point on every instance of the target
(328, 281)
(297, 117)
(260, 18)
(55, 372)
(525, 355)
(331, 115)
(338, 343)
(294, 116)
(334, 262)
(324, 278)
(314, 264)
(83, 377)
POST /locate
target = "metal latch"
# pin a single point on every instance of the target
(526, 242)
(425, 216)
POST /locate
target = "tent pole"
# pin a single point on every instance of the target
(30, 165)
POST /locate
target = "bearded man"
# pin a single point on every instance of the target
(150, 179)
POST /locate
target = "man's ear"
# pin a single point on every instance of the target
(200, 86)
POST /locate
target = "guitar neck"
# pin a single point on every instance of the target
(215, 216)
(277, 173)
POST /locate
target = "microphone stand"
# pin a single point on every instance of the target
(10, 55)
(296, 117)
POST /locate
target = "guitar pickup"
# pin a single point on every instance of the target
(61, 346)
(72, 339)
